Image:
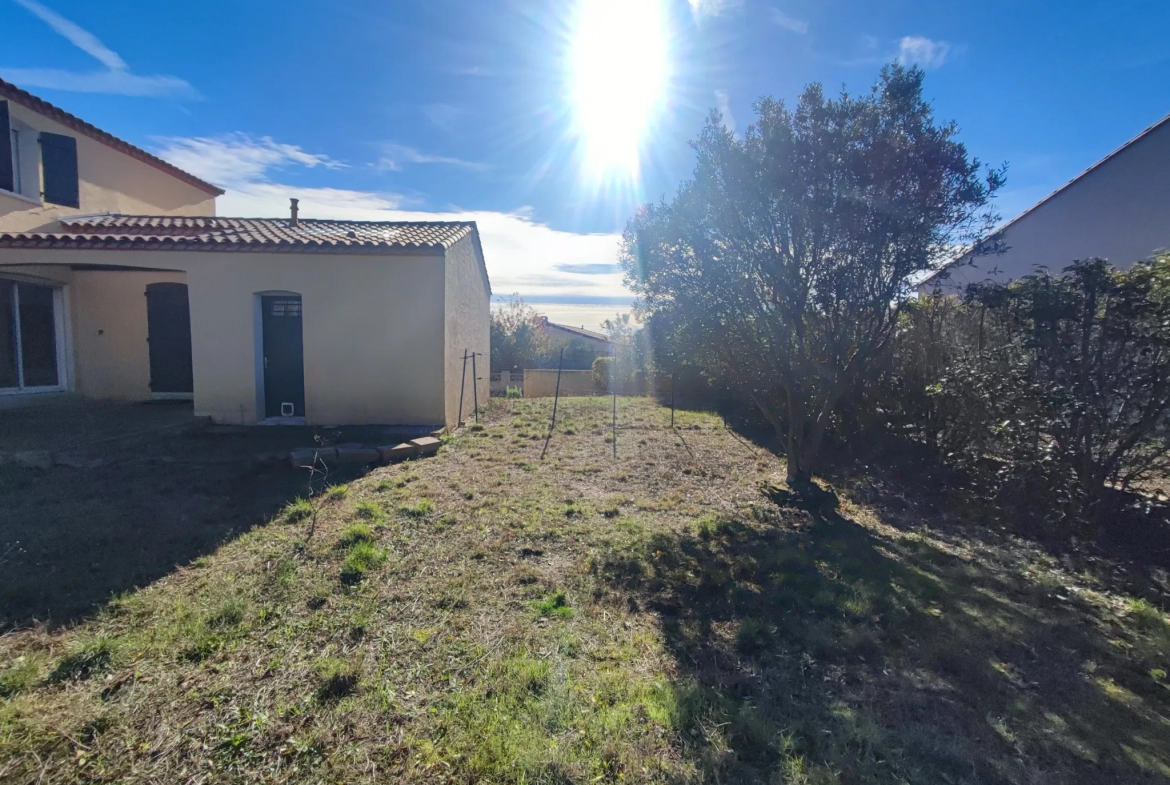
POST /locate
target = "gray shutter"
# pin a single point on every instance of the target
(7, 176)
(59, 169)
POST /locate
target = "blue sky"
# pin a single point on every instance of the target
(383, 110)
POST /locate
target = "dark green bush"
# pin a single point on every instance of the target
(1047, 393)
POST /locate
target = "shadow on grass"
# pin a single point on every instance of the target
(73, 538)
(809, 645)
(1128, 548)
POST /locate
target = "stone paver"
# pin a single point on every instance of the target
(349, 454)
(427, 445)
(397, 452)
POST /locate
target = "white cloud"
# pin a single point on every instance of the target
(236, 159)
(396, 156)
(522, 254)
(723, 104)
(116, 79)
(109, 82)
(914, 49)
(82, 39)
(265, 200)
(705, 8)
(788, 22)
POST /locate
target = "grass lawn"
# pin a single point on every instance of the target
(485, 616)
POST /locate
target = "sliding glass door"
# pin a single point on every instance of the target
(29, 337)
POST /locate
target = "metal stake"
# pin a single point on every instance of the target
(462, 384)
(556, 398)
(475, 386)
(615, 425)
(673, 380)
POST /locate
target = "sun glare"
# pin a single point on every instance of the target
(619, 61)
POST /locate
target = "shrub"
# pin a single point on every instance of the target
(514, 392)
(603, 370)
(1045, 393)
(611, 375)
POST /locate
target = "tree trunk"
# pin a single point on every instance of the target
(790, 436)
(799, 468)
(801, 437)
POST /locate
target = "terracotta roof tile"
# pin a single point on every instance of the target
(42, 107)
(140, 232)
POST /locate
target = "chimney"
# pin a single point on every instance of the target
(293, 221)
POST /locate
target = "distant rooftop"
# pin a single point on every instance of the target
(590, 334)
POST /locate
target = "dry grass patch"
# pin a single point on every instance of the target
(654, 618)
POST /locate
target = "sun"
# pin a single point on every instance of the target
(619, 64)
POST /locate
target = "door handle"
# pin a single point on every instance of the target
(266, 363)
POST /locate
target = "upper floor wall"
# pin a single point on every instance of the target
(53, 165)
(1118, 210)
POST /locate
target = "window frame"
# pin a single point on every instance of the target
(59, 329)
(17, 178)
(26, 162)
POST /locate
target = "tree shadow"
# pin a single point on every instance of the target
(1128, 549)
(808, 645)
(71, 538)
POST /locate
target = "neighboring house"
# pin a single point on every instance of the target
(118, 282)
(1119, 209)
(562, 335)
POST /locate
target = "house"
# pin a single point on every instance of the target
(1118, 209)
(118, 281)
(562, 335)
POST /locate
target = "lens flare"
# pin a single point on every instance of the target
(620, 66)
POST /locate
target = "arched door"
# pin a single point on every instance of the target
(168, 325)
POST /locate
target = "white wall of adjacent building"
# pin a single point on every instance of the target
(1119, 210)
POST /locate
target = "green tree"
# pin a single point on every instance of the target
(784, 263)
(517, 338)
(628, 345)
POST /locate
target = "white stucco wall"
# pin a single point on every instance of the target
(110, 349)
(374, 329)
(383, 334)
(373, 335)
(110, 181)
(1119, 211)
(466, 326)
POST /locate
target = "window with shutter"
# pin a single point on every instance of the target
(59, 169)
(8, 159)
(17, 183)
